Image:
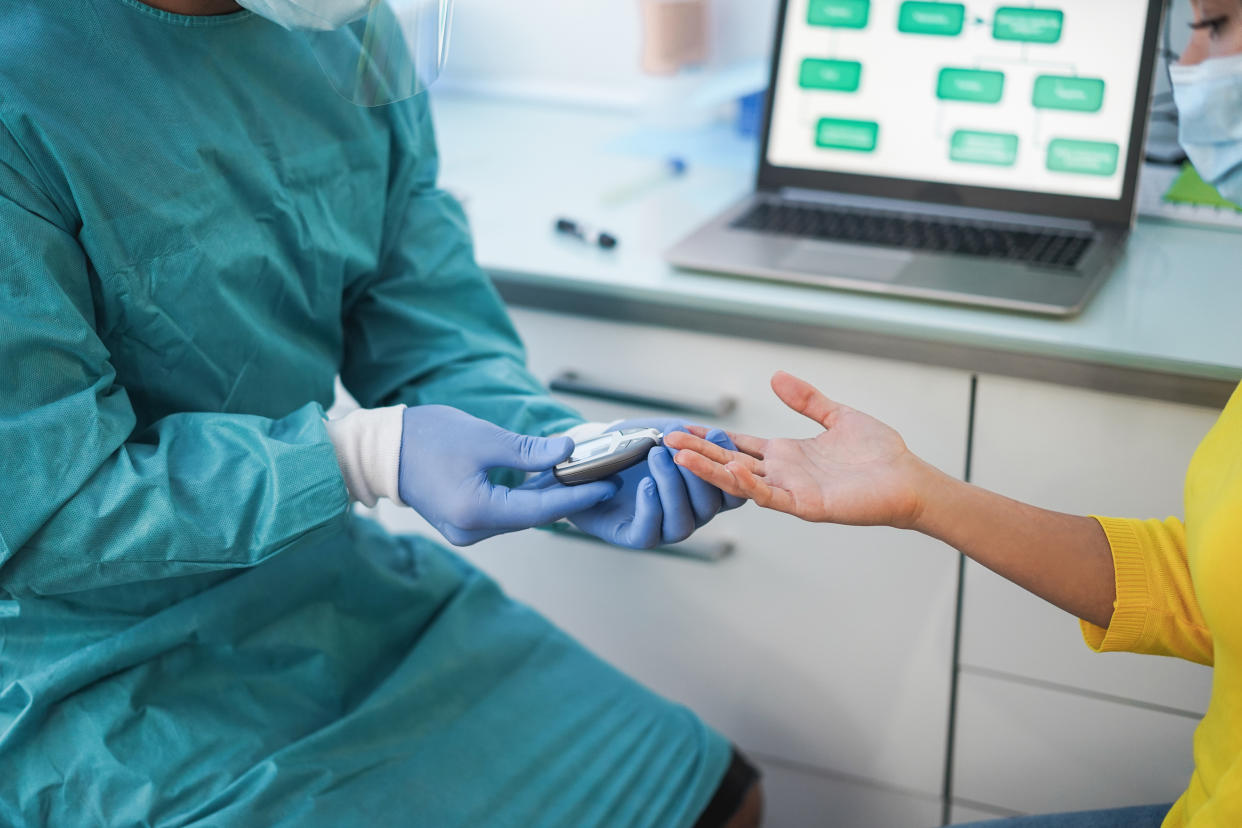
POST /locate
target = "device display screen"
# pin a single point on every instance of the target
(591, 448)
(1038, 98)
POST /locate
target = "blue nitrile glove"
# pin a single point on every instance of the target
(446, 455)
(659, 502)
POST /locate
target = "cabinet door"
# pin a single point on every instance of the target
(969, 814)
(796, 798)
(1080, 452)
(1034, 750)
(826, 646)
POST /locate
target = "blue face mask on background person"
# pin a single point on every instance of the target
(1209, 110)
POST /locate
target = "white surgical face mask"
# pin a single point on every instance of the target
(314, 15)
(1209, 112)
(374, 52)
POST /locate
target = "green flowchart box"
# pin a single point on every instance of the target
(944, 19)
(1066, 92)
(842, 14)
(973, 85)
(1028, 25)
(834, 75)
(999, 149)
(1083, 157)
(844, 134)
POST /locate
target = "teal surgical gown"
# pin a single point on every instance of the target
(196, 236)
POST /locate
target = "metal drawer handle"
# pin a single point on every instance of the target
(571, 382)
(707, 551)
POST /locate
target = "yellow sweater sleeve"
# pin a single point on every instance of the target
(1156, 611)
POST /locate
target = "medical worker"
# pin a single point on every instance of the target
(1168, 587)
(206, 214)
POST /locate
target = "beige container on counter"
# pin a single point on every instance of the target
(675, 34)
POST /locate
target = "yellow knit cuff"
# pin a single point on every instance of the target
(1133, 605)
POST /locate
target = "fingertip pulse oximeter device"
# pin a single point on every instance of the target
(606, 455)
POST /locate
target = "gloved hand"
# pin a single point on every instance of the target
(659, 502)
(446, 455)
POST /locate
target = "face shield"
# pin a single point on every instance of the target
(374, 52)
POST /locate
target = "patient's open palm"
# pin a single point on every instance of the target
(857, 471)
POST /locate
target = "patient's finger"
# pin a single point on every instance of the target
(750, 486)
(727, 501)
(744, 442)
(805, 398)
(747, 444)
(688, 442)
(709, 471)
(758, 490)
(681, 440)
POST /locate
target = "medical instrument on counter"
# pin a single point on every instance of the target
(586, 233)
(604, 456)
(671, 169)
(675, 35)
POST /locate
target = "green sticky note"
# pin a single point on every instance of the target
(974, 85)
(841, 14)
(843, 134)
(1083, 157)
(1027, 25)
(972, 147)
(943, 19)
(1067, 92)
(1190, 188)
(834, 75)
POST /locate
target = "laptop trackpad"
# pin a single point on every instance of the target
(828, 259)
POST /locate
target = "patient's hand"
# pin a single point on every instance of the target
(858, 471)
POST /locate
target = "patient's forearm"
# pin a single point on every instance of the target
(1064, 559)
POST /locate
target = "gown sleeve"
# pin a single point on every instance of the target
(1156, 612)
(89, 503)
(428, 326)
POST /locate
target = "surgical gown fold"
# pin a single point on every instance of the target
(424, 328)
(100, 504)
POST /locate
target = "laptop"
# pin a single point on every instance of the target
(974, 154)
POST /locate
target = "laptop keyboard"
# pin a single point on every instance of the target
(1054, 249)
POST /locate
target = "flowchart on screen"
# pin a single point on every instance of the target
(1030, 97)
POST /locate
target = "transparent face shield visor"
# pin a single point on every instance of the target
(393, 50)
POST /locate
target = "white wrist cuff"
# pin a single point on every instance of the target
(368, 450)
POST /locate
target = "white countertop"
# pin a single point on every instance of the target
(1174, 304)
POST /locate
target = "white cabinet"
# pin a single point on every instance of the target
(1043, 751)
(966, 814)
(798, 799)
(1080, 452)
(825, 646)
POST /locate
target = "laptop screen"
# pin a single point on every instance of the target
(1036, 98)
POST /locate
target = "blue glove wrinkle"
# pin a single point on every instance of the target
(679, 519)
(643, 531)
(669, 511)
(705, 499)
(446, 455)
(632, 518)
